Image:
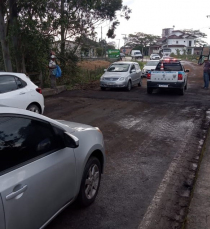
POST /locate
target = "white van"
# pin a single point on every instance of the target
(166, 52)
(135, 54)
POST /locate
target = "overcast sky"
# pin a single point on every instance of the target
(151, 16)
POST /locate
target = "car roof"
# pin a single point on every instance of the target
(125, 62)
(17, 111)
(20, 75)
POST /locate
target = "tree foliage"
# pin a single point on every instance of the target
(141, 39)
(28, 28)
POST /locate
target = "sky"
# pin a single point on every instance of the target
(151, 16)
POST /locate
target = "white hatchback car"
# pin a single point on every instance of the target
(154, 57)
(17, 90)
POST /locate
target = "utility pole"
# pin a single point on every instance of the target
(125, 38)
(118, 43)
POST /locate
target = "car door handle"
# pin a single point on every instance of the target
(21, 93)
(14, 194)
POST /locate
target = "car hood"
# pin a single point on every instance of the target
(114, 74)
(74, 126)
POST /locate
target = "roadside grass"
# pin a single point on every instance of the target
(83, 74)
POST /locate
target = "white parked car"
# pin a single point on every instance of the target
(150, 65)
(17, 90)
(154, 57)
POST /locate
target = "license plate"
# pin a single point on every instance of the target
(110, 83)
(163, 85)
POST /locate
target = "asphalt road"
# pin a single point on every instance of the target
(153, 143)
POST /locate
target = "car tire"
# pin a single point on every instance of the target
(34, 108)
(149, 90)
(103, 88)
(181, 91)
(185, 87)
(90, 182)
(129, 86)
(139, 84)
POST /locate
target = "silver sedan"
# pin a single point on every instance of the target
(44, 166)
(121, 75)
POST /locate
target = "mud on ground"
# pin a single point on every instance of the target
(153, 143)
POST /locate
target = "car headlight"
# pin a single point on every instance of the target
(121, 78)
(102, 78)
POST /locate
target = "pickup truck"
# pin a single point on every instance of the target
(169, 74)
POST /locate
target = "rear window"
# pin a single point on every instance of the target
(170, 67)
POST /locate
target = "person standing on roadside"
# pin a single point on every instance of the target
(206, 73)
(52, 67)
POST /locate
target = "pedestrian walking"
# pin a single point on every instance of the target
(206, 73)
(52, 68)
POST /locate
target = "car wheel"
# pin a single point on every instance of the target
(103, 88)
(149, 90)
(90, 182)
(181, 91)
(34, 108)
(128, 88)
(185, 87)
(139, 84)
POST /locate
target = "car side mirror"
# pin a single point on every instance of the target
(133, 70)
(187, 70)
(70, 140)
(105, 70)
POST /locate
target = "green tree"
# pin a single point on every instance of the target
(141, 40)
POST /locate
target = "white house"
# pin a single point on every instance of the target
(174, 40)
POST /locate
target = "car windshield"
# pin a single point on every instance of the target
(118, 68)
(152, 63)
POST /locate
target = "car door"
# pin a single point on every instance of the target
(133, 74)
(13, 92)
(2, 222)
(138, 72)
(37, 173)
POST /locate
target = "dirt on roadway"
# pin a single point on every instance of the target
(153, 143)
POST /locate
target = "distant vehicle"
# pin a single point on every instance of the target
(166, 51)
(167, 58)
(121, 75)
(44, 166)
(154, 56)
(169, 74)
(17, 90)
(136, 54)
(150, 65)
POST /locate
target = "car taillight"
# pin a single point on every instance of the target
(180, 76)
(148, 76)
(39, 90)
